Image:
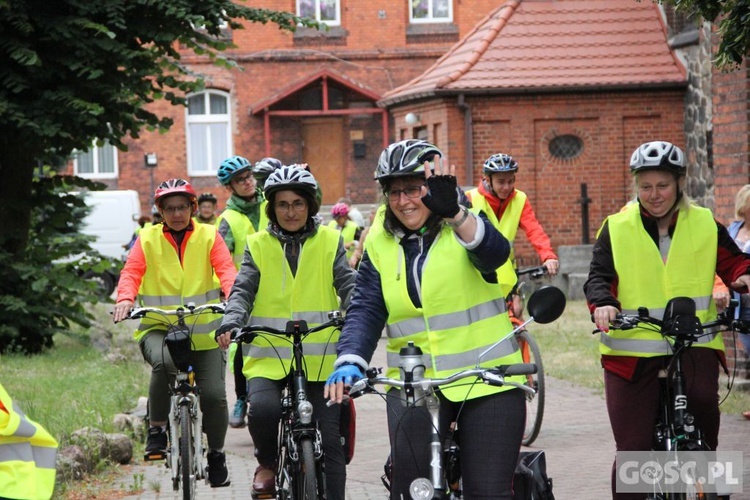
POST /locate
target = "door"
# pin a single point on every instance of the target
(323, 150)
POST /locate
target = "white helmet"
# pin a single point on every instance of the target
(658, 155)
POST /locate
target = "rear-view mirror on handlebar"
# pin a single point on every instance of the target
(547, 304)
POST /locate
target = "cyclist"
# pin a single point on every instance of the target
(509, 209)
(348, 229)
(169, 265)
(659, 247)
(428, 275)
(263, 169)
(292, 270)
(245, 214)
(206, 209)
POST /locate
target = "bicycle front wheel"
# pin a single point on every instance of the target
(307, 477)
(534, 402)
(186, 453)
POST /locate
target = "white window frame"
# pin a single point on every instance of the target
(336, 22)
(94, 152)
(430, 19)
(209, 165)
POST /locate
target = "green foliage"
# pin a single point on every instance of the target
(41, 292)
(733, 18)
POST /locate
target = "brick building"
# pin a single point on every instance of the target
(568, 87)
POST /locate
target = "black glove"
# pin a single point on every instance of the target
(442, 196)
(223, 329)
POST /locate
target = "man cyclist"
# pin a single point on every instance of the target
(206, 213)
(508, 209)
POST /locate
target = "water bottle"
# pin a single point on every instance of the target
(412, 369)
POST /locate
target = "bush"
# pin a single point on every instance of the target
(43, 293)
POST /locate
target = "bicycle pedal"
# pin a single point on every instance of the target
(154, 456)
(266, 495)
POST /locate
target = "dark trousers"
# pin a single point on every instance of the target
(633, 406)
(264, 416)
(490, 429)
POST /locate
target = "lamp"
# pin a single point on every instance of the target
(411, 118)
(150, 159)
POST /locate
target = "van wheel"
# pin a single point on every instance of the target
(104, 281)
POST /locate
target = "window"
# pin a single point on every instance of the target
(566, 147)
(98, 162)
(326, 11)
(209, 137)
(431, 11)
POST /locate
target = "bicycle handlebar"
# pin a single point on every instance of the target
(189, 309)
(492, 376)
(247, 334)
(534, 272)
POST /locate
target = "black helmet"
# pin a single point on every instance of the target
(405, 158)
(500, 162)
(295, 178)
(658, 155)
(206, 197)
(266, 167)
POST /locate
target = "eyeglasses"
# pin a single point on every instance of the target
(297, 206)
(411, 192)
(244, 179)
(177, 209)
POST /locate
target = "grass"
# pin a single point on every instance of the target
(571, 352)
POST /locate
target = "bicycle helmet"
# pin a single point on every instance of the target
(339, 210)
(500, 162)
(295, 178)
(266, 167)
(206, 197)
(231, 167)
(174, 186)
(658, 155)
(405, 158)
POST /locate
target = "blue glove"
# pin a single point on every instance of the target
(348, 374)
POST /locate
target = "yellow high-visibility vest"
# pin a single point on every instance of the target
(169, 283)
(645, 280)
(242, 228)
(347, 234)
(282, 296)
(461, 315)
(27, 455)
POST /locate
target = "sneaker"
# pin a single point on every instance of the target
(237, 418)
(156, 444)
(218, 475)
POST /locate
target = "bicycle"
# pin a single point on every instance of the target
(531, 354)
(545, 306)
(301, 473)
(185, 447)
(675, 429)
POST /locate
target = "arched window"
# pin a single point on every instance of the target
(566, 147)
(209, 132)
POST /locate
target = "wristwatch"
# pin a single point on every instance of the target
(460, 221)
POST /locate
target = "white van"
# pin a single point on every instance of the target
(113, 220)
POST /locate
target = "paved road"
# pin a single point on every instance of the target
(575, 436)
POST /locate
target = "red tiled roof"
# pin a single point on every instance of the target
(554, 45)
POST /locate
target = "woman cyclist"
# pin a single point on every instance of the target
(294, 269)
(429, 276)
(659, 247)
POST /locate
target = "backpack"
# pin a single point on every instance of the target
(530, 481)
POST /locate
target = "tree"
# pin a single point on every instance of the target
(75, 71)
(734, 25)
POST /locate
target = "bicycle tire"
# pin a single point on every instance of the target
(307, 479)
(186, 453)
(534, 402)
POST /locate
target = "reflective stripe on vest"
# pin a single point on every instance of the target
(508, 226)
(166, 283)
(688, 272)
(282, 296)
(27, 454)
(462, 314)
(242, 227)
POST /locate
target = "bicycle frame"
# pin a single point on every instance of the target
(297, 427)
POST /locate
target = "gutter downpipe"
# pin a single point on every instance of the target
(468, 141)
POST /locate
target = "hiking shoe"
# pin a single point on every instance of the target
(156, 444)
(218, 475)
(237, 418)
